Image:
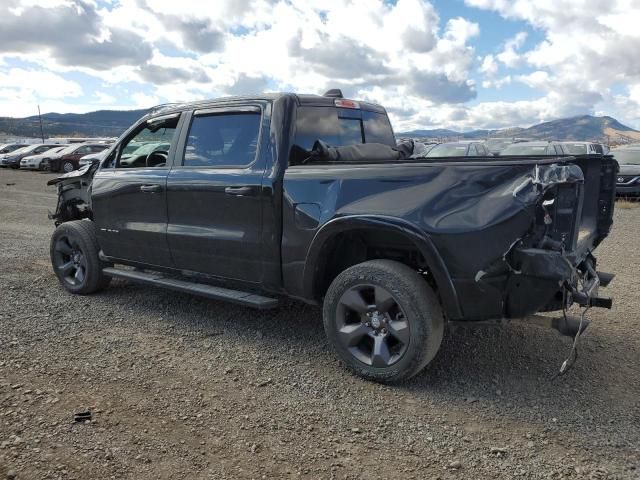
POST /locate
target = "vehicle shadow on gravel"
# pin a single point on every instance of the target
(514, 366)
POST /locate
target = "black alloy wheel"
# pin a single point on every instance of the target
(372, 326)
(383, 319)
(70, 261)
(75, 257)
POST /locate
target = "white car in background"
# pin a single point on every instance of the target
(41, 160)
(92, 157)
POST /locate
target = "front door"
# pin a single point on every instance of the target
(214, 195)
(129, 195)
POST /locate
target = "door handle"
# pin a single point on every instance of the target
(240, 191)
(150, 188)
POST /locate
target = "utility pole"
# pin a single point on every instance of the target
(40, 118)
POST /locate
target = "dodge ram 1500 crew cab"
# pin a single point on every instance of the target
(304, 196)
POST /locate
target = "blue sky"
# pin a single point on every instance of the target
(442, 63)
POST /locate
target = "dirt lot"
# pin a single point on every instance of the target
(182, 387)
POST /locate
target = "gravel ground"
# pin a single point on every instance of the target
(183, 387)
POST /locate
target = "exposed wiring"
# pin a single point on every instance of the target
(573, 354)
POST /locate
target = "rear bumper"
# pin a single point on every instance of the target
(560, 279)
(629, 190)
(537, 281)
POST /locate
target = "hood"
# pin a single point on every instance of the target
(84, 172)
(626, 169)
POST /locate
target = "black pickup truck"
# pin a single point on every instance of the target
(305, 196)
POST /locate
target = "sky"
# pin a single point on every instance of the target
(460, 64)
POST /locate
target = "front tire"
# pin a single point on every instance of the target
(74, 257)
(383, 320)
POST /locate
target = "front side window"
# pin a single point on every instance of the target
(222, 140)
(149, 146)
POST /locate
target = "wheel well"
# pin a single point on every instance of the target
(349, 248)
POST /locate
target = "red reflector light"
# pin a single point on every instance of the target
(341, 102)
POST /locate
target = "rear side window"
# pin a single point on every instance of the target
(339, 127)
(222, 140)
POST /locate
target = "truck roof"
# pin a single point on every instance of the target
(300, 99)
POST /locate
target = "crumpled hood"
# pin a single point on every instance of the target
(84, 171)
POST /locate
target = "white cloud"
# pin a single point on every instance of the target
(497, 83)
(489, 66)
(401, 55)
(509, 55)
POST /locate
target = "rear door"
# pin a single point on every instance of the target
(129, 201)
(214, 194)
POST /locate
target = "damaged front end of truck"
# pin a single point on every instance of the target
(74, 195)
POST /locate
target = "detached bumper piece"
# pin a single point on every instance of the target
(547, 274)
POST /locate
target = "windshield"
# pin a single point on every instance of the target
(448, 150)
(495, 144)
(627, 157)
(20, 150)
(130, 148)
(575, 148)
(69, 149)
(149, 147)
(28, 149)
(520, 149)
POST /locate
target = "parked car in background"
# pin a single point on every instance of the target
(471, 148)
(5, 156)
(13, 159)
(41, 160)
(67, 160)
(10, 147)
(497, 144)
(92, 157)
(628, 178)
(582, 148)
(533, 149)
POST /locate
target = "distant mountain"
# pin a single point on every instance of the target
(102, 123)
(111, 123)
(583, 127)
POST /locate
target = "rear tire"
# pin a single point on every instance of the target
(383, 320)
(74, 257)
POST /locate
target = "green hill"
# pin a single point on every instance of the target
(102, 123)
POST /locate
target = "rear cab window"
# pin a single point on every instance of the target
(338, 127)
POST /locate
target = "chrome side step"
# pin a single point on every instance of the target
(202, 289)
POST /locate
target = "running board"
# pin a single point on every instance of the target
(202, 289)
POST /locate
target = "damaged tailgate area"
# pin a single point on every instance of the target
(552, 265)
